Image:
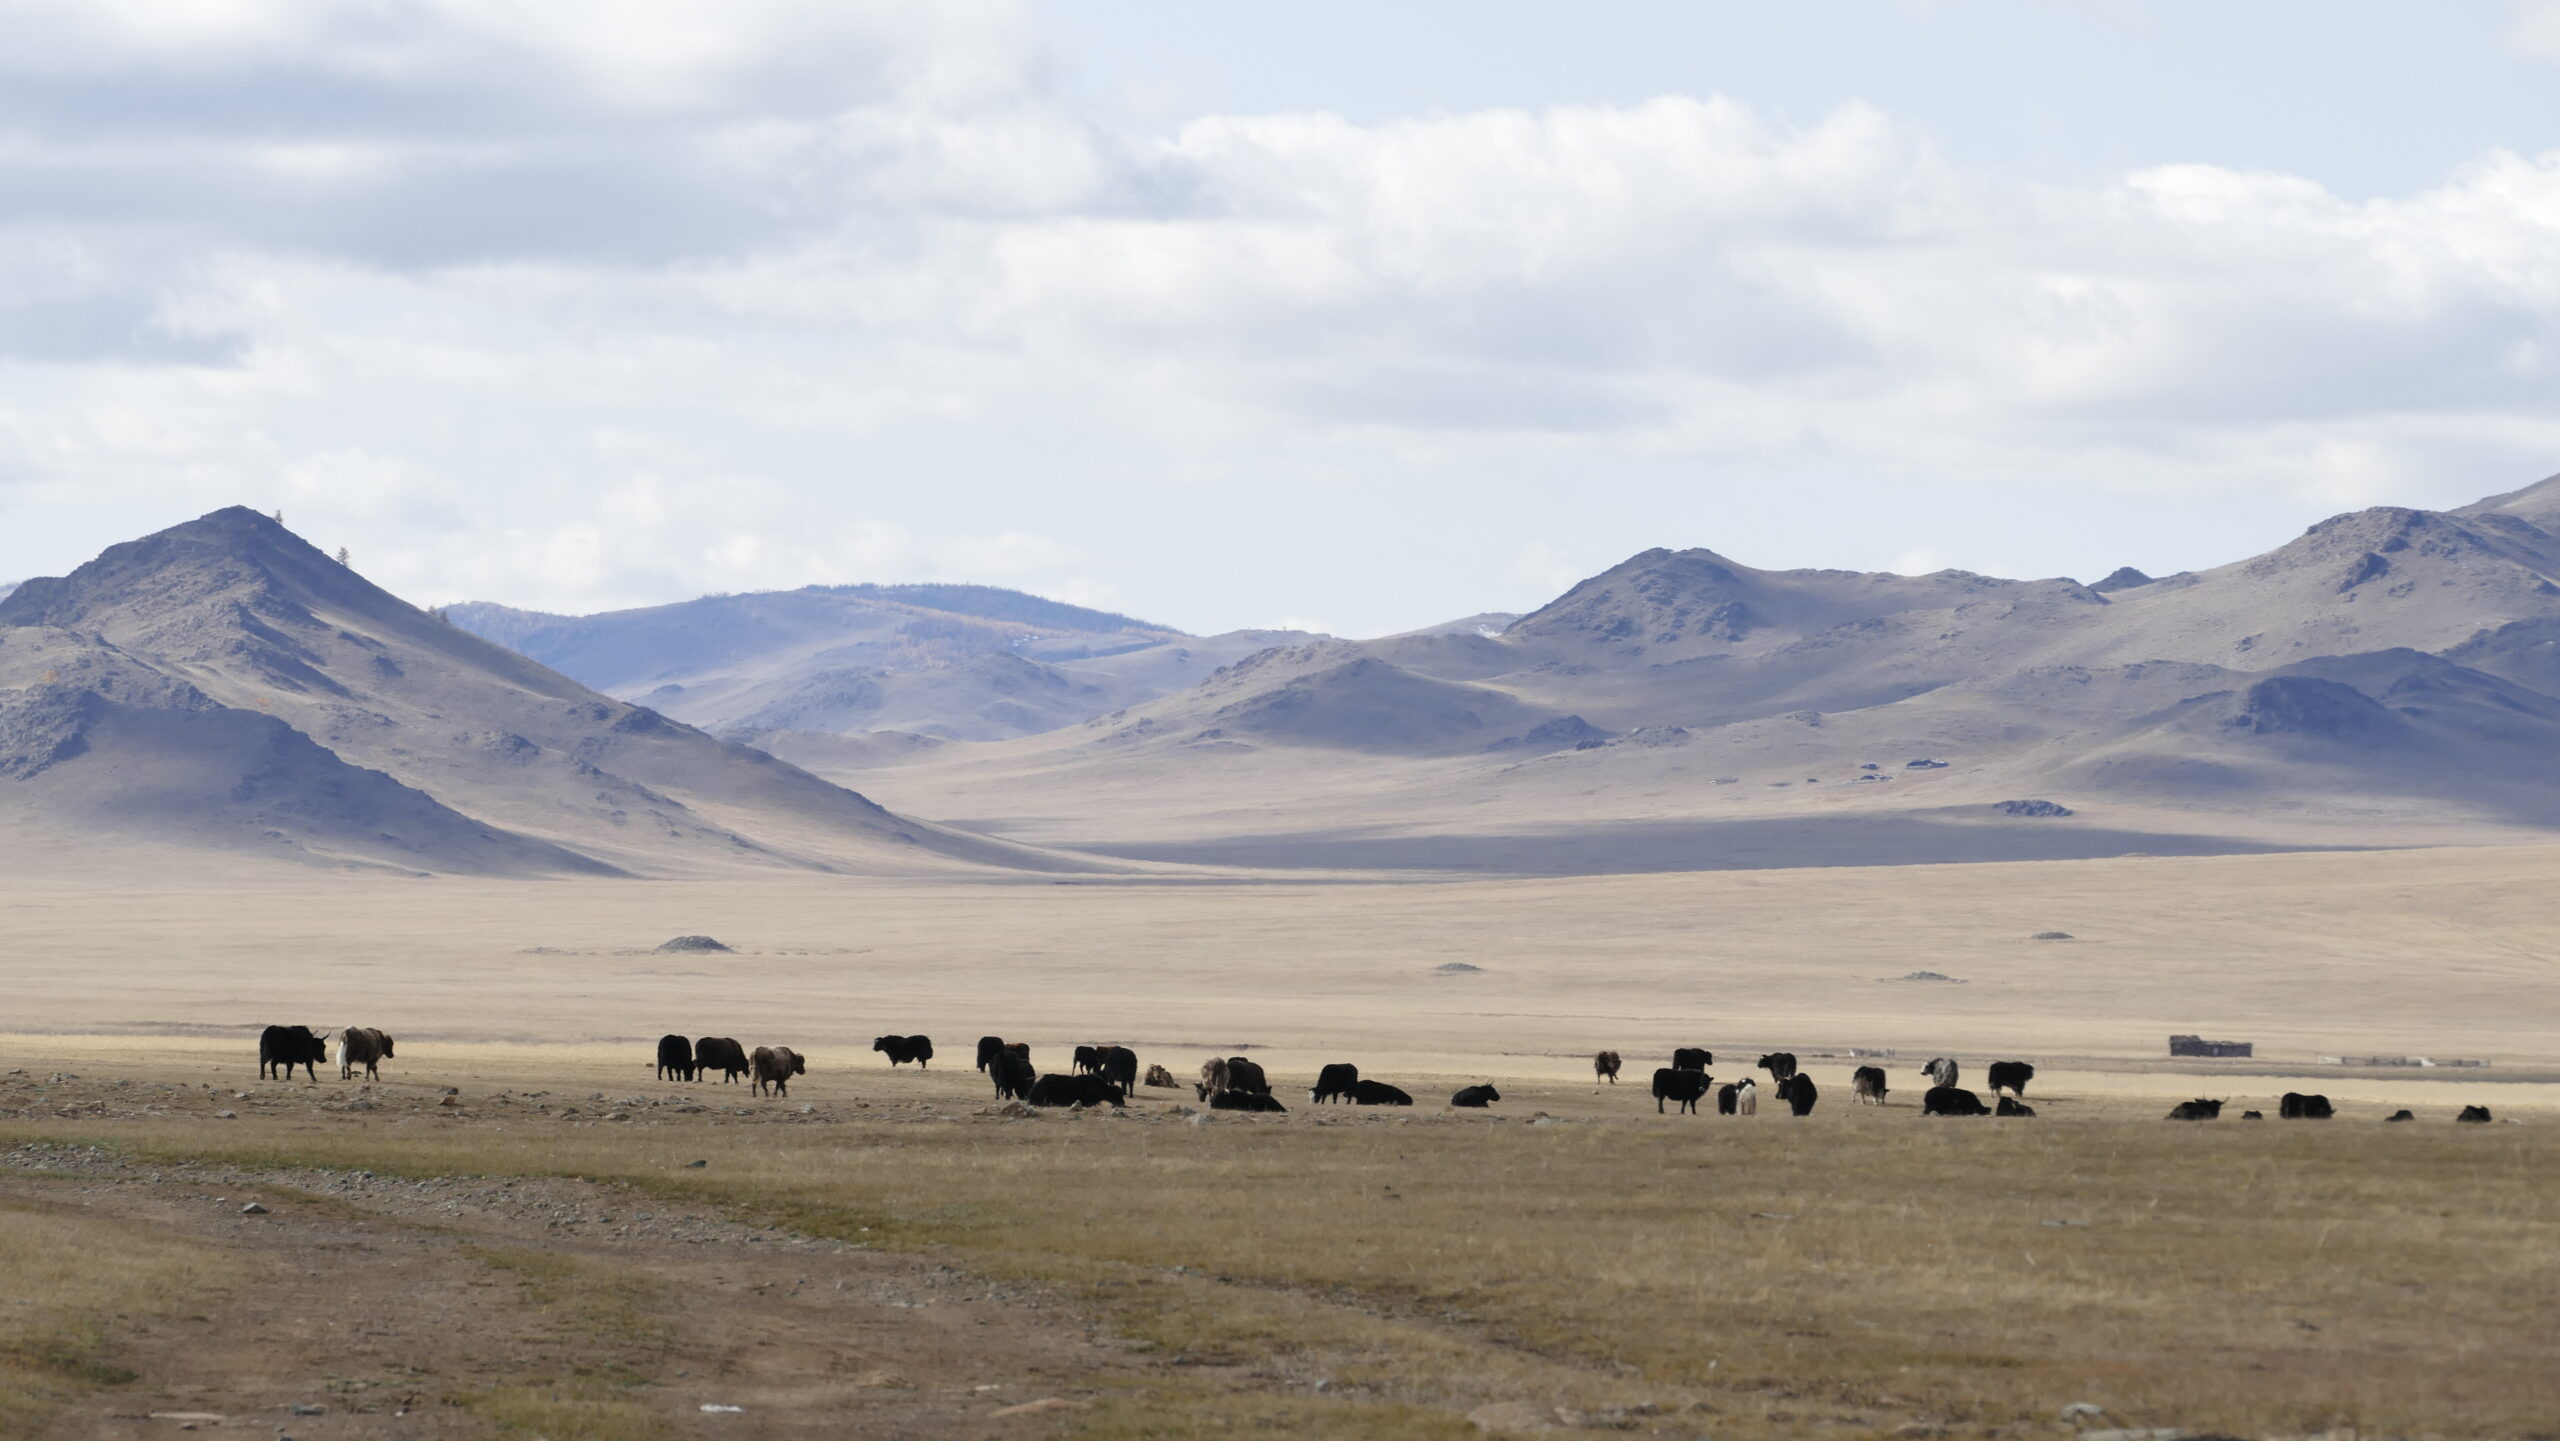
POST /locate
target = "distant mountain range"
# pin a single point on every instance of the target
(222, 683)
(2391, 677)
(942, 662)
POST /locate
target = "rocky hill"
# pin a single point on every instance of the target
(227, 657)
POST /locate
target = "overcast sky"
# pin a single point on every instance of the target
(1227, 314)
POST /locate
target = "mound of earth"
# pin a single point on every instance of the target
(2035, 809)
(683, 944)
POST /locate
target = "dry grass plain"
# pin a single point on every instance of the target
(1854, 1273)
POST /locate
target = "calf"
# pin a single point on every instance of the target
(1057, 1090)
(721, 1053)
(1728, 1096)
(2198, 1109)
(281, 1048)
(2253, 1115)
(362, 1046)
(1952, 1101)
(1088, 1059)
(2399, 1116)
(988, 1046)
(1011, 1071)
(1334, 1083)
(1867, 1083)
(1941, 1072)
(1604, 1067)
(2295, 1106)
(775, 1066)
(1746, 1097)
(2011, 1076)
(1213, 1077)
(1476, 1098)
(1670, 1083)
(1378, 1093)
(1799, 1092)
(675, 1058)
(1692, 1058)
(2474, 1115)
(2012, 1106)
(1161, 1078)
(1245, 1101)
(902, 1049)
(1779, 1065)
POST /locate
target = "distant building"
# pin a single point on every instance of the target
(2199, 1046)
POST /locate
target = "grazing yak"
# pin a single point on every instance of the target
(1231, 1073)
(1057, 1090)
(675, 1059)
(1011, 1071)
(988, 1046)
(2012, 1077)
(1670, 1083)
(1692, 1058)
(2295, 1106)
(2399, 1116)
(1378, 1093)
(362, 1046)
(1867, 1083)
(284, 1047)
(2198, 1109)
(1476, 1098)
(2474, 1115)
(719, 1053)
(1952, 1101)
(1245, 1101)
(1604, 1067)
(1941, 1072)
(775, 1066)
(1779, 1065)
(1161, 1078)
(1799, 1092)
(1334, 1083)
(2012, 1106)
(1727, 1097)
(1119, 1066)
(902, 1049)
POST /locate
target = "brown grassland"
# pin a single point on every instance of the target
(1571, 1264)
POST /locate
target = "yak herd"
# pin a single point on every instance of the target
(1107, 1075)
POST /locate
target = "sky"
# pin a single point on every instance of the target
(1356, 318)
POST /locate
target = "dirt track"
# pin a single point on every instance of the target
(377, 1299)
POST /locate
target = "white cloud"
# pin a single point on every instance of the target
(2533, 28)
(586, 305)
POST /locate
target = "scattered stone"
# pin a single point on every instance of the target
(2050, 936)
(695, 1165)
(1934, 976)
(1924, 765)
(714, 1408)
(1034, 1408)
(226, 1115)
(1454, 967)
(300, 1408)
(253, 1209)
(682, 944)
(2083, 1411)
